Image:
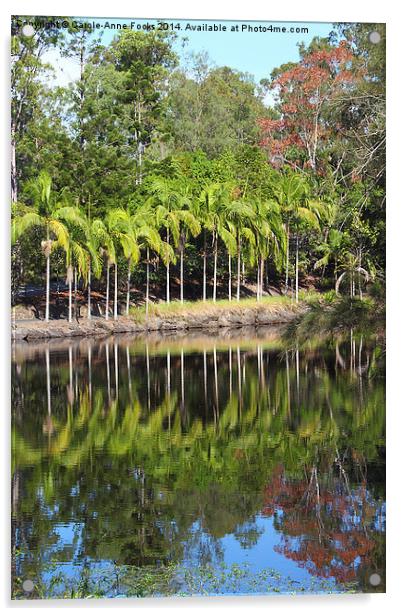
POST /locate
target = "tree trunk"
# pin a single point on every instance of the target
(261, 276)
(115, 291)
(238, 268)
(204, 273)
(14, 189)
(89, 292)
(128, 288)
(167, 273)
(287, 260)
(107, 290)
(147, 286)
(359, 274)
(230, 277)
(297, 270)
(181, 270)
(215, 264)
(70, 295)
(75, 294)
(47, 288)
(258, 280)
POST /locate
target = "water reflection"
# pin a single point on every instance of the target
(198, 452)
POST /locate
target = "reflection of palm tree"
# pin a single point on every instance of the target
(210, 458)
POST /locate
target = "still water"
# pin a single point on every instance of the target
(197, 465)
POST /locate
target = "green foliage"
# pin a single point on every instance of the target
(179, 148)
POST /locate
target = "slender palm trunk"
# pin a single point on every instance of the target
(147, 286)
(70, 295)
(204, 273)
(47, 288)
(75, 294)
(297, 270)
(107, 290)
(215, 264)
(128, 287)
(287, 260)
(89, 291)
(230, 277)
(115, 291)
(261, 276)
(181, 270)
(167, 273)
(238, 268)
(258, 280)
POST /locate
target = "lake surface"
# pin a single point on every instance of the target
(197, 465)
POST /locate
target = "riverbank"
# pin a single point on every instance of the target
(173, 317)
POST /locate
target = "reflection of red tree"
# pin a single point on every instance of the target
(324, 527)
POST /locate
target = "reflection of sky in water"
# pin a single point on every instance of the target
(259, 557)
(235, 421)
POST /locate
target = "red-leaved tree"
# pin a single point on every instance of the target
(306, 92)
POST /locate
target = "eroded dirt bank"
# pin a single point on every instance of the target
(209, 318)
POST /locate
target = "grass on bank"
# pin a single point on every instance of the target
(329, 314)
(176, 308)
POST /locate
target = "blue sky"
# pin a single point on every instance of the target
(256, 53)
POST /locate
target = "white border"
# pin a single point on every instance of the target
(292, 10)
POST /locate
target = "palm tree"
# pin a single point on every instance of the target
(135, 232)
(240, 214)
(330, 248)
(172, 205)
(350, 264)
(75, 254)
(165, 202)
(290, 188)
(106, 249)
(188, 224)
(95, 232)
(76, 250)
(122, 231)
(43, 212)
(151, 240)
(211, 208)
(292, 194)
(269, 237)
